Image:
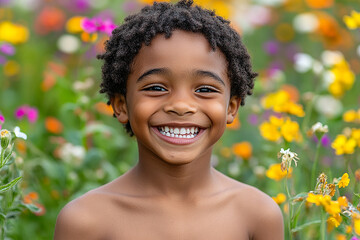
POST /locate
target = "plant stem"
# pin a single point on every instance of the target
(289, 205)
(316, 161)
(323, 225)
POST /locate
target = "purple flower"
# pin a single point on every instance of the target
(325, 140)
(354, 238)
(31, 113)
(130, 7)
(82, 5)
(271, 47)
(89, 25)
(253, 119)
(2, 60)
(7, 49)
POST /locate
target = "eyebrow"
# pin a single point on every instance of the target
(196, 73)
(152, 71)
(210, 74)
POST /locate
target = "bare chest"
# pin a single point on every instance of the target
(133, 220)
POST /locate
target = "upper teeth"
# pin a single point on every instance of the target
(179, 132)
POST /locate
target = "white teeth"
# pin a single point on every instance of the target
(176, 131)
(179, 132)
(182, 131)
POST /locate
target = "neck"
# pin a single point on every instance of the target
(158, 177)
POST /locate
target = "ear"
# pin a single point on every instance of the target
(118, 104)
(233, 108)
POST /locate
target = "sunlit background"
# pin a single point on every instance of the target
(307, 54)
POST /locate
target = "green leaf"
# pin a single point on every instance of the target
(299, 228)
(31, 207)
(9, 185)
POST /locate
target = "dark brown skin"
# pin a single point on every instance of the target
(173, 192)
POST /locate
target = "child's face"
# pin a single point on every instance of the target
(178, 98)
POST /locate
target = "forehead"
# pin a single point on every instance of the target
(183, 52)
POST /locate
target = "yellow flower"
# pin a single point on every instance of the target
(331, 207)
(73, 25)
(340, 237)
(314, 198)
(291, 131)
(353, 21)
(343, 80)
(355, 134)
(356, 223)
(269, 131)
(342, 145)
(344, 181)
(13, 33)
(243, 150)
(280, 101)
(274, 172)
(343, 202)
(276, 128)
(280, 198)
(333, 221)
(352, 116)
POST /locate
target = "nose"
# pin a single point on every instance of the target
(180, 104)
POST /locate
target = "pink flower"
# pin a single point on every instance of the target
(96, 24)
(29, 112)
(107, 27)
(2, 120)
(89, 25)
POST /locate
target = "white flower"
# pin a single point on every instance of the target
(303, 62)
(286, 158)
(306, 22)
(19, 134)
(68, 43)
(328, 106)
(319, 128)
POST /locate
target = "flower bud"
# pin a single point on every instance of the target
(5, 136)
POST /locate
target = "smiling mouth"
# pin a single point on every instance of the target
(175, 132)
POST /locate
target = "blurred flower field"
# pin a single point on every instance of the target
(297, 138)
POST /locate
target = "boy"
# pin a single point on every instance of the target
(175, 76)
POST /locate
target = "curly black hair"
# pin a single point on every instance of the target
(164, 18)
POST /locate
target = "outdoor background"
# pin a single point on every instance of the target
(307, 54)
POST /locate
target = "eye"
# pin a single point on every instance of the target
(206, 89)
(155, 88)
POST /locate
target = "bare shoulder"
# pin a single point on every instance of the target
(263, 214)
(80, 218)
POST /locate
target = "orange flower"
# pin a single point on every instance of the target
(103, 108)
(30, 197)
(319, 3)
(41, 211)
(243, 150)
(234, 125)
(292, 91)
(21, 146)
(48, 82)
(49, 19)
(53, 125)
